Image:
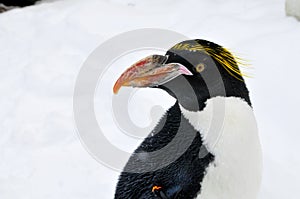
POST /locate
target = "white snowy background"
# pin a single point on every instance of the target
(43, 47)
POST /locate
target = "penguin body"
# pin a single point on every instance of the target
(236, 170)
(206, 146)
(188, 169)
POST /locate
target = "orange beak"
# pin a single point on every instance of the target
(150, 72)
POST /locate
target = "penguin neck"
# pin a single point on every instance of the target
(192, 96)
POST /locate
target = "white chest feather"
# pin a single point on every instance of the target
(229, 131)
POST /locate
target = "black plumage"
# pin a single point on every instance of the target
(182, 177)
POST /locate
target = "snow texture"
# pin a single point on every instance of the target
(43, 48)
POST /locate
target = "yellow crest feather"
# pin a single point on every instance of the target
(222, 55)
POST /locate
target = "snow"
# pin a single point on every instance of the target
(43, 48)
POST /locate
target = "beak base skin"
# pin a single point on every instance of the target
(150, 71)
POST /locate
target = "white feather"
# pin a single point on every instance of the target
(229, 131)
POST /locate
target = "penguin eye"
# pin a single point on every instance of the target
(200, 67)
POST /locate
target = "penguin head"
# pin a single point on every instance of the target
(192, 71)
